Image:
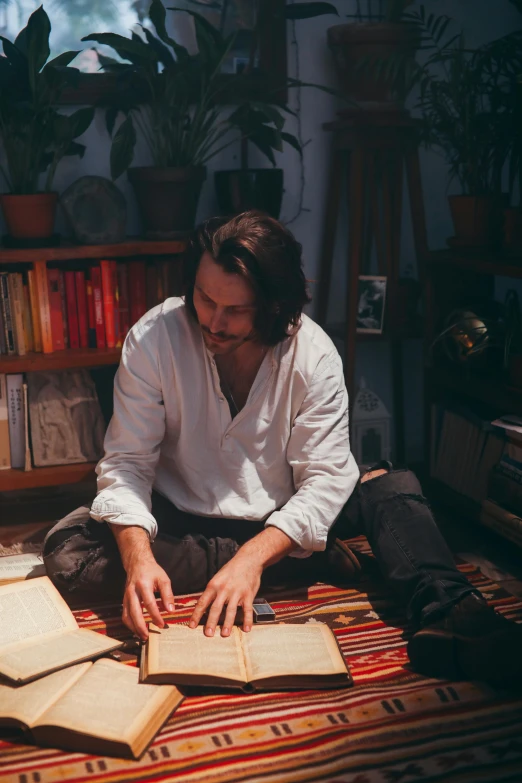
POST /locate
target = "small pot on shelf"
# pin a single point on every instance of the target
(168, 198)
(29, 217)
(473, 220)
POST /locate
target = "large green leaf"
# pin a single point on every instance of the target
(138, 52)
(80, 120)
(122, 150)
(15, 56)
(158, 15)
(163, 53)
(293, 141)
(38, 50)
(308, 10)
(62, 60)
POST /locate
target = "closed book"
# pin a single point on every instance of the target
(116, 295)
(55, 305)
(16, 297)
(137, 290)
(505, 491)
(91, 317)
(44, 306)
(108, 303)
(63, 297)
(123, 290)
(72, 309)
(16, 414)
(511, 520)
(3, 343)
(499, 526)
(35, 314)
(6, 312)
(97, 295)
(28, 321)
(5, 450)
(27, 450)
(81, 299)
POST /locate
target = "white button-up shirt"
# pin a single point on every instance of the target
(284, 458)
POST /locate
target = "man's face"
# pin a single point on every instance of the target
(225, 307)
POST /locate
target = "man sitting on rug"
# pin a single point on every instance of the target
(228, 453)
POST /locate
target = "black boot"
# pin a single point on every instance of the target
(471, 642)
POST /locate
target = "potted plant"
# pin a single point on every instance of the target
(374, 54)
(34, 135)
(171, 96)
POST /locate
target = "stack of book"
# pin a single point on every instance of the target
(46, 308)
(502, 509)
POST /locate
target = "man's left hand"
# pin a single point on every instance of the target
(236, 584)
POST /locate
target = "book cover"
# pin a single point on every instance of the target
(6, 312)
(123, 289)
(91, 316)
(44, 307)
(55, 305)
(35, 315)
(5, 448)
(16, 297)
(137, 290)
(97, 294)
(116, 295)
(27, 450)
(16, 414)
(72, 309)
(28, 321)
(3, 344)
(63, 297)
(108, 303)
(81, 299)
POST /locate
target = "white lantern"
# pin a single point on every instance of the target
(370, 427)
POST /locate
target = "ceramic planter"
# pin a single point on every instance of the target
(240, 189)
(31, 216)
(168, 198)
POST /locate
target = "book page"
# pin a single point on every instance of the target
(179, 649)
(55, 652)
(281, 649)
(109, 702)
(14, 568)
(31, 611)
(27, 702)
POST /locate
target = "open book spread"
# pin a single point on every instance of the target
(38, 632)
(269, 657)
(16, 568)
(90, 707)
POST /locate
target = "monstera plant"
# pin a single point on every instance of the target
(34, 135)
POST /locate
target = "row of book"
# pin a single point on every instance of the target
(47, 308)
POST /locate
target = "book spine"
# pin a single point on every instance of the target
(108, 303)
(35, 316)
(6, 311)
(27, 448)
(91, 316)
(116, 295)
(137, 290)
(5, 449)
(55, 304)
(28, 321)
(44, 307)
(63, 297)
(97, 294)
(123, 288)
(72, 309)
(16, 296)
(3, 344)
(15, 401)
(81, 298)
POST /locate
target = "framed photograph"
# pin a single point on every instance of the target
(371, 302)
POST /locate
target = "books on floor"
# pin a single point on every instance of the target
(18, 568)
(269, 657)
(97, 708)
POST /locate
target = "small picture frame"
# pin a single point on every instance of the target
(371, 301)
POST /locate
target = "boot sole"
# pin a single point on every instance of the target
(495, 659)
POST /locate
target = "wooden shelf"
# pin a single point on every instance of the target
(488, 389)
(46, 477)
(486, 264)
(59, 360)
(68, 252)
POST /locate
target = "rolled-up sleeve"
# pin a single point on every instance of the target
(324, 469)
(132, 443)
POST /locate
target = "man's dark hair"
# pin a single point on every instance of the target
(260, 249)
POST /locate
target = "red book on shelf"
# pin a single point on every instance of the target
(137, 290)
(123, 288)
(55, 305)
(72, 310)
(91, 316)
(64, 310)
(116, 293)
(108, 303)
(44, 307)
(81, 301)
(97, 295)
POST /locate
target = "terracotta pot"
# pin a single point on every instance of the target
(513, 228)
(473, 220)
(355, 46)
(240, 189)
(167, 198)
(29, 216)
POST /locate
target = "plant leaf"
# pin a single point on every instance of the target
(62, 60)
(136, 51)
(37, 38)
(122, 150)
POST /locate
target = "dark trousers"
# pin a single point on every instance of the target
(81, 554)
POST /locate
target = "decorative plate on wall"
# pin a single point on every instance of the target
(96, 210)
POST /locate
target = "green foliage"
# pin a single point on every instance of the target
(35, 137)
(380, 10)
(177, 111)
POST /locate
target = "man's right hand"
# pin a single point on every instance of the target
(144, 577)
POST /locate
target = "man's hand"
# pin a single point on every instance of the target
(144, 577)
(237, 583)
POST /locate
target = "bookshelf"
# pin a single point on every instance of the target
(133, 248)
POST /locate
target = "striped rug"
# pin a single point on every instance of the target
(394, 726)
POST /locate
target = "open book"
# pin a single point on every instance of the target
(16, 568)
(38, 632)
(98, 708)
(269, 657)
